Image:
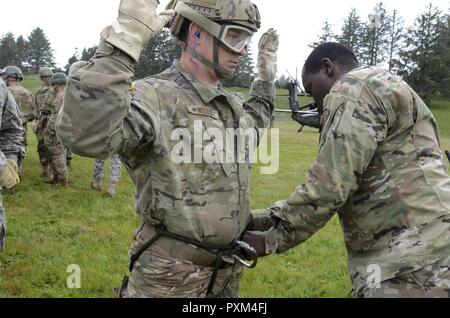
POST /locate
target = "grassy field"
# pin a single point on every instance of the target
(50, 229)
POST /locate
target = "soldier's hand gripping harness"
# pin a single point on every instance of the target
(9, 177)
(267, 56)
(136, 25)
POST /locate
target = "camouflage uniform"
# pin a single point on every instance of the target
(114, 169)
(11, 141)
(57, 153)
(39, 101)
(27, 106)
(209, 203)
(381, 169)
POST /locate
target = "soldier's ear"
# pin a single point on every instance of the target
(327, 67)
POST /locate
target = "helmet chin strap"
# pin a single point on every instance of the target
(221, 72)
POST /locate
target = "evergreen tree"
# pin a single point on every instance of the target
(396, 38)
(88, 53)
(421, 61)
(442, 52)
(351, 33)
(22, 53)
(158, 55)
(374, 37)
(40, 52)
(326, 36)
(8, 49)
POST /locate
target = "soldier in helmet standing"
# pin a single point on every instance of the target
(45, 74)
(24, 99)
(192, 213)
(56, 150)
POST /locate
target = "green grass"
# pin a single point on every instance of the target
(50, 229)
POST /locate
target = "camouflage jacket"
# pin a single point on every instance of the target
(49, 132)
(381, 169)
(48, 99)
(11, 129)
(39, 98)
(25, 101)
(102, 115)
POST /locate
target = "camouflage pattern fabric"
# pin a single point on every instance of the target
(381, 169)
(2, 211)
(57, 153)
(206, 202)
(433, 281)
(45, 111)
(27, 106)
(11, 129)
(114, 169)
(39, 100)
(11, 142)
(158, 274)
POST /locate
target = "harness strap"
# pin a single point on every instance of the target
(219, 250)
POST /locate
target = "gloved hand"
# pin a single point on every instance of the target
(9, 177)
(267, 56)
(136, 25)
(260, 220)
(257, 240)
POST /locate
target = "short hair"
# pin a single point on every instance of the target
(336, 52)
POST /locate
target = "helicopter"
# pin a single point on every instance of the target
(307, 115)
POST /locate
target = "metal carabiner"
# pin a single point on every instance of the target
(249, 250)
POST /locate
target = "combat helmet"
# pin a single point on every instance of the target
(45, 72)
(231, 23)
(13, 71)
(59, 78)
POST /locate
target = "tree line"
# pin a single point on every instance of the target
(29, 53)
(419, 53)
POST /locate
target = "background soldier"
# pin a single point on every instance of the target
(114, 174)
(45, 73)
(11, 148)
(45, 112)
(57, 153)
(192, 212)
(24, 99)
(381, 169)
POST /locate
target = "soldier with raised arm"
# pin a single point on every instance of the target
(192, 212)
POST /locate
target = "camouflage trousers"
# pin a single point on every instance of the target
(43, 151)
(432, 281)
(57, 160)
(114, 169)
(159, 274)
(2, 224)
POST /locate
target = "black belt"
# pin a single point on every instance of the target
(233, 250)
(46, 113)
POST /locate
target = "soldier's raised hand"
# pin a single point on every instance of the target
(267, 56)
(137, 23)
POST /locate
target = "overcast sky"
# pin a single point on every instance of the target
(70, 24)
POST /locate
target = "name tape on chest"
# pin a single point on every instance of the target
(203, 111)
